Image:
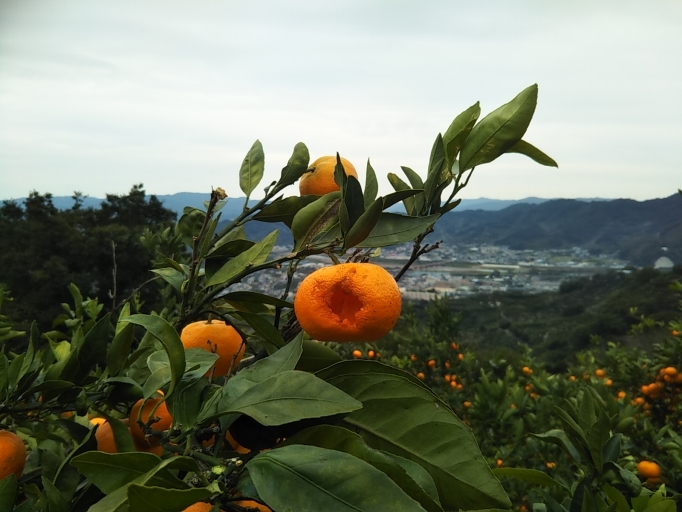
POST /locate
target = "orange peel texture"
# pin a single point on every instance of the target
(217, 337)
(319, 180)
(348, 302)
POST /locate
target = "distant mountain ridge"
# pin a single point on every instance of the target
(178, 201)
(633, 230)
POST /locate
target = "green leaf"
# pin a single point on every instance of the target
(399, 186)
(122, 438)
(282, 360)
(8, 492)
(266, 330)
(310, 478)
(315, 218)
(364, 225)
(118, 352)
(296, 166)
(185, 404)
(55, 499)
(612, 449)
(524, 148)
(417, 184)
(418, 474)
(94, 348)
(316, 356)
(615, 496)
(111, 471)
(394, 229)
(499, 130)
(559, 437)
(458, 131)
(190, 224)
(438, 177)
(167, 335)
(171, 276)
(352, 206)
(252, 169)
(532, 476)
(371, 185)
(158, 499)
(428, 433)
(343, 440)
(283, 210)
(229, 249)
(291, 396)
(254, 255)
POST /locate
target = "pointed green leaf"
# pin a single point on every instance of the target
(315, 218)
(353, 206)
(532, 476)
(499, 130)
(458, 131)
(283, 210)
(301, 477)
(167, 335)
(371, 185)
(255, 255)
(296, 166)
(343, 440)
(255, 298)
(524, 148)
(8, 492)
(393, 229)
(428, 433)
(252, 168)
(316, 356)
(266, 330)
(400, 186)
(119, 350)
(364, 225)
(417, 183)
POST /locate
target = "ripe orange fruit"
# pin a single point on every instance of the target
(12, 454)
(499, 463)
(670, 370)
(217, 337)
(453, 384)
(460, 357)
(413, 358)
(454, 346)
(599, 372)
(200, 507)
(234, 444)
(526, 370)
(357, 354)
(432, 363)
(467, 404)
(608, 383)
(675, 333)
(572, 378)
(378, 355)
(648, 469)
(164, 423)
(550, 465)
(447, 364)
(105, 438)
(319, 180)
(447, 377)
(370, 354)
(348, 302)
(421, 376)
(621, 395)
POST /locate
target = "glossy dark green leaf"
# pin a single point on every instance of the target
(111, 471)
(186, 402)
(352, 206)
(264, 328)
(252, 169)
(315, 218)
(400, 186)
(303, 478)
(291, 396)
(428, 433)
(118, 351)
(395, 197)
(616, 497)
(122, 438)
(190, 224)
(532, 476)
(4, 373)
(56, 501)
(168, 336)
(499, 130)
(171, 276)
(284, 359)
(283, 210)
(254, 255)
(458, 131)
(8, 492)
(158, 499)
(296, 166)
(364, 366)
(394, 229)
(559, 437)
(316, 356)
(343, 440)
(437, 177)
(524, 148)
(371, 185)
(417, 184)
(364, 225)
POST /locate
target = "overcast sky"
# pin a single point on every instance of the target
(96, 96)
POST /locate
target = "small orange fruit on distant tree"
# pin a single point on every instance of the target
(319, 180)
(499, 463)
(432, 363)
(467, 404)
(460, 357)
(348, 302)
(670, 371)
(164, 423)
(599, 372)
(357, 354)
(413, 358)
(608, 383)
(421, 376)
(648, 469)
(12, 454)
(370, 354)
(526, 370)
(218, 337)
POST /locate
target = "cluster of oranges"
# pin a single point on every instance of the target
(659, 393)
(371, 354)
